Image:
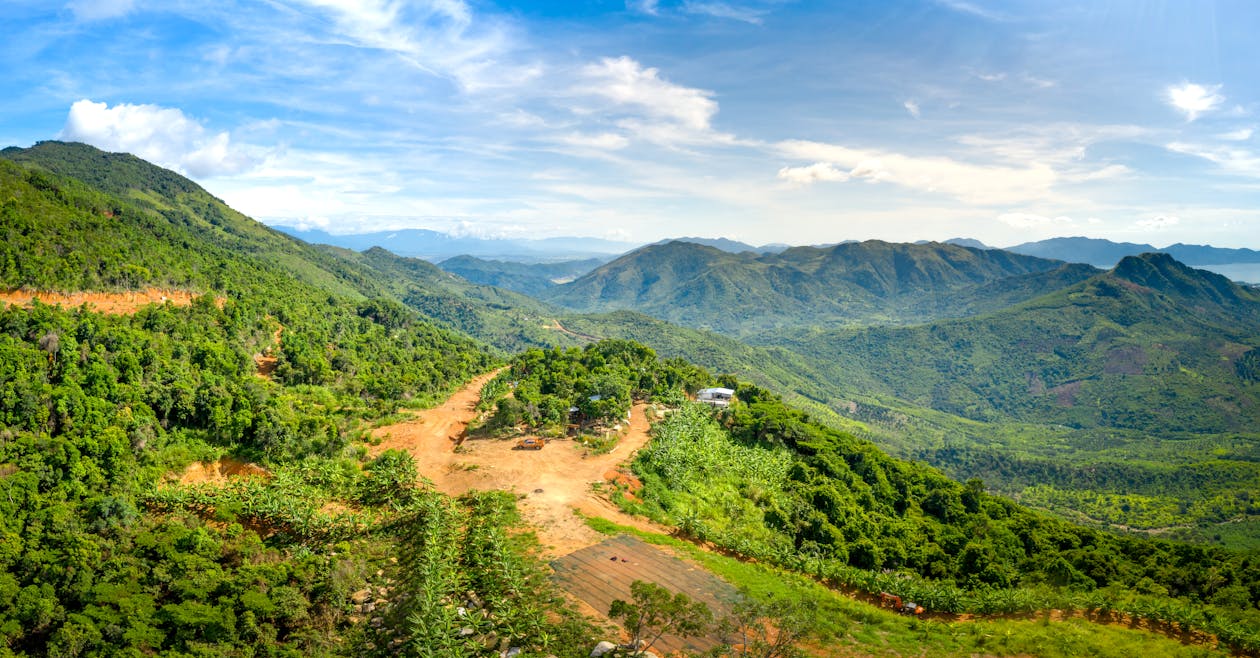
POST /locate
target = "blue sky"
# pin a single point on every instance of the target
(759, 120)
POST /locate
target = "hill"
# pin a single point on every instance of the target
(728, 245)
(1105, 253)
(846, 284)
(526, 278)
(290, 540)
(435, 245)
(1151, 345)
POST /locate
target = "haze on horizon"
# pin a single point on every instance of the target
(766, 121)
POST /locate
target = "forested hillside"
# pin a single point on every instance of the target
(108, 548)
(115, 538)
(843, 285)
(525, 278)
(763, 480)
(1152, 345)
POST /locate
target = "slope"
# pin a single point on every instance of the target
(1105, 253)
(525, 278)
(1151, 345)
(846, 284)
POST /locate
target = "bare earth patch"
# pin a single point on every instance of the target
(220, 472)
(554, 482)
(109, 303)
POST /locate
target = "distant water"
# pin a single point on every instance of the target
(1245, 272)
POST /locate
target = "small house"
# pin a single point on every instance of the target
(717, 397)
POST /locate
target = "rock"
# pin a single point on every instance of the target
(603, 648)
(361, 596)
(467, 631)
(512, 652)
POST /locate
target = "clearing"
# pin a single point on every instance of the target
(555, 481)
(109, 303)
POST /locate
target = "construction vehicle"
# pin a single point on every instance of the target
(893, 601)
(531, 443)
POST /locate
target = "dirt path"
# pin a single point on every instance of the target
(556, 326)
(554, 481)
(110, 303)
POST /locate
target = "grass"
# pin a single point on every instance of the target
(846, 626)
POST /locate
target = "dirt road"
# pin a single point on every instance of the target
(554, 481)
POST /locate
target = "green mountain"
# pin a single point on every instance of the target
(1151, 345)
(1105, 253)
(102, 552)
(843, 285)
(525, 278)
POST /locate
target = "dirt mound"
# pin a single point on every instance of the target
(110, 303)
(220, 471)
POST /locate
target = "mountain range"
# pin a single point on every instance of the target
(1125, 398)
(846, 284)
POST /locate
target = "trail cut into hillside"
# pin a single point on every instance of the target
(556, 483)
(109, 303)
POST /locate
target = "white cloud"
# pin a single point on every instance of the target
(1031, 220)
(819, 171)
(991, 77)
(1159, 223)
(97, 10)
(1194, 100)
(653, 108)
(1106, 173)
(650, 7)
(440, 37)
(1240, 135)
(911, 107)
(1233, 159)
(971, 183)
(161, 135)
(723, 10)
(964, 7)
(601, 141)
(1040, 83)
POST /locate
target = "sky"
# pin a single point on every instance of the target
(767, 121)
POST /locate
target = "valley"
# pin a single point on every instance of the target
(997, 436)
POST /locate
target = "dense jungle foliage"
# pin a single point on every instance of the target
(763, 480)
(323, 551)
(104, 552)
(595, 384)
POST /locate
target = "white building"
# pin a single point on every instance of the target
(718, 397)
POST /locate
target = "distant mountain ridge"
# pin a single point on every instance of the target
(867, 282)
(728, 245)
(525, 278)
(436, 246)
(1151, 345)
(1106, 254)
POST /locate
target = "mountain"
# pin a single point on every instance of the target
(525, 278)
(114, 537)
(969, 242)
(436, 246)
(849, 283)
(1151, 345)
(1094, 251)
(727, 245)
(1105, 253)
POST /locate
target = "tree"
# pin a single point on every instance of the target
(771, 629)
(656, 612)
